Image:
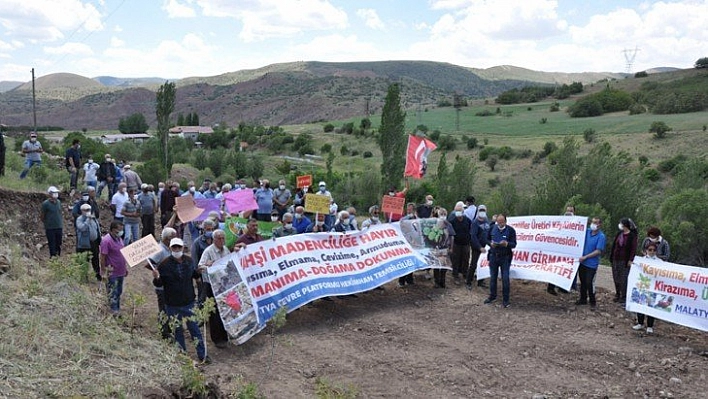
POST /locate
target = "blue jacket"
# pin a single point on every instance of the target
(508, 235)
(480, 231)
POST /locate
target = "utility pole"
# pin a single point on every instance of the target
(34, 104)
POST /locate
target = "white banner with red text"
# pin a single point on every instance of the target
(669, 291)
(252, 284)
(547, 249)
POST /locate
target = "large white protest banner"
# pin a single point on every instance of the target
(669, 291)
(547, 249)
(252, 284)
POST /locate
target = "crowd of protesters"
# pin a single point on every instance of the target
(189, 249)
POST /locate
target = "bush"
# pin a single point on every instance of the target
(668, 165)
(354, 153)
(543, 121)
(328, 128)
(306, 149)
(493, 182)
(652, 174)
(586, 107)
(367, 154)
(589, 135)
(643, 161)
(505, 152)
(326, 148)
(523, 154)
(435, 135)
(659, 129)
(344, 150)
(636, 109)
(471, 143)
(447, 143)
(555, 107)
(548, 148)
(485, 112)
(641, 74)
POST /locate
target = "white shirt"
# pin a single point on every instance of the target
(90, 171)
(212, 253)
(471, 212)
(119, 200)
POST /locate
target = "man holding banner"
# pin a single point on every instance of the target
(503, 240)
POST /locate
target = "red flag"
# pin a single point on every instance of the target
(417, 156)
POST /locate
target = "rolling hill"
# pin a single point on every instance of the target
(288, 93)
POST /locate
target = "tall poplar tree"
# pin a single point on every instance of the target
(392, 138)
(165, 104)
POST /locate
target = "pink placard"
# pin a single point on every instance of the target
(241, 200)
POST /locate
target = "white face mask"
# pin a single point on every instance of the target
(620, 226)
(120, 233)
(442, 217)
(288, 226)
(320, 223)
(482, 214)
(429, 202)
(375, 218)
(458, 214)
(84, 198)
(345, 222)
(323, 189)
(177, 254)
(298, 216)
(273, 218)
(87, 213)
(55, 195)
(282, 186)
(90, 161)
(33, 139)
(391, 193)
(192, 190)
(593, 226)
(243, 186)
(654, 239)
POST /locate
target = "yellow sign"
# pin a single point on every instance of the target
(316, 203)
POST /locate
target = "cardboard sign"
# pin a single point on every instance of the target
(235, 226)
(187, 209)
(316, 203)
(392, 205)
(209, 205)
(304, 181)
(140, 250)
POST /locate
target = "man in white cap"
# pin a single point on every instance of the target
(33, 150)
(176, 274)
(88, 237)
(51, 216)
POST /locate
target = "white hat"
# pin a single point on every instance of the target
(52, 189)
(85, 207)
(143, 186)
(176, 241)
(323, 184)
(126, 167)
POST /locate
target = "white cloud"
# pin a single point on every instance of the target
(47, 20)
(275, 18)
(371, 18)
(175, 9)
(5, 46)
(116, 42)
(69, 49)
(117, 28)
(332, 48)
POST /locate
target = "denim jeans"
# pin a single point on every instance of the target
(185, 312)
(496, 263)
(54, 239)
(131, 234)
(29, 164)
(114, 287)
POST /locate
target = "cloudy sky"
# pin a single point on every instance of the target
(180, 38)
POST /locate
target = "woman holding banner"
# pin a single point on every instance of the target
(624, 248)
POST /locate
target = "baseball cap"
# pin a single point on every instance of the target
(85, 207)
(33, 134)
(482, 208)
(323, 184)
(52, 189)
(143, 186)
(176, 241)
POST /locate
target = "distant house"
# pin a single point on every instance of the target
(114, 138)
(190, 132)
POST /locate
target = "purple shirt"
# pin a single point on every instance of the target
(111, 248)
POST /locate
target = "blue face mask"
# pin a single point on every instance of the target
(209, 234)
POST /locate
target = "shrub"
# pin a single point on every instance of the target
(492, 162)
(435, 135)
(668, 165)
(485, 112)
(493, 182)
(471, 143)
(643, 160)
(344, 150)
(328, 128)
(659, 129)
(523, 154)
(652, 174)
(543, 121)
(548, 148)
(636, 109)
(589, 135)
(367, 154)
(354, 153)
(447, 143)
(555, 107)
(505, 152)
(306, 149)
(326, 148)
(641, 74)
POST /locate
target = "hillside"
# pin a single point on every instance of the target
(289, 93)
(7, 85)
(505, 72)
